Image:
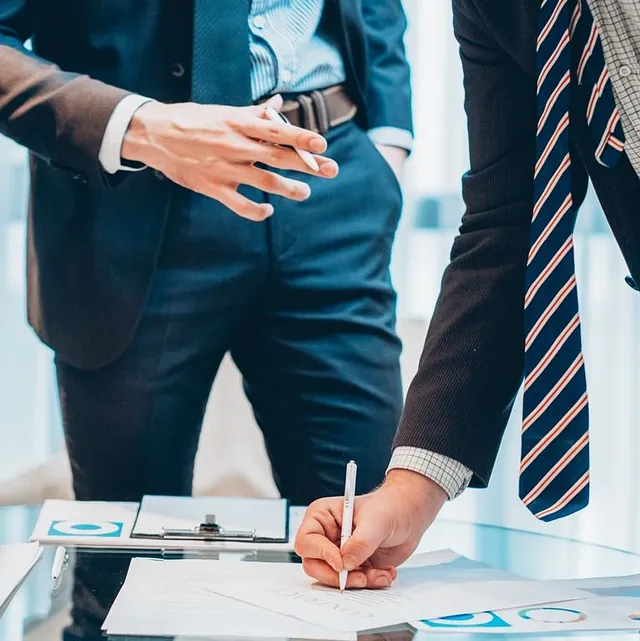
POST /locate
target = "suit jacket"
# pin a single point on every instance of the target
(472, 364)
(93, 240)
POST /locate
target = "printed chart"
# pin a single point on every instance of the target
(613, 607)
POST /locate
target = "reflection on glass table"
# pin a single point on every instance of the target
(89, 586)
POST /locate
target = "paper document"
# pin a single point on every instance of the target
(442, 584)
(176, 599)
(16, 561)
(269, 518)
(614, 605)
(110, 525)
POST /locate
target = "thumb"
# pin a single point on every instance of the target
(370, 532)
(275, 102)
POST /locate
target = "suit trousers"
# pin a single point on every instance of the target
(305, 305)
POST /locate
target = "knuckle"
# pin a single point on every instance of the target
(360, 546)
(275, 155)
(318, 505)
(271, 181)
(324, 555)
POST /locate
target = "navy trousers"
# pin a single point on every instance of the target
(305, 305)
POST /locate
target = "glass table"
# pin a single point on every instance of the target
(89, 586)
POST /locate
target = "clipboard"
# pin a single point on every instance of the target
(240, 520)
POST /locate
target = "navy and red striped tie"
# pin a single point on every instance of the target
(554, 469)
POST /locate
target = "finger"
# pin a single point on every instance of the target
(317, 533)
(328, 168)
(318, 546)
(369, 533)
(331, 522)
(380, 577)
(244, 207)
(281, 133)
(321, 572)
(273, 183)
(286, 158)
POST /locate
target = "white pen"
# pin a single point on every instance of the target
(308, 158)
(59, 562)
(347, 513)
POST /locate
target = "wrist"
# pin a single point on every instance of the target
(417, 498)
(417, 486)
(138, 139)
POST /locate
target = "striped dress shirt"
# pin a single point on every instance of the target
(290, 51)
(619, 26)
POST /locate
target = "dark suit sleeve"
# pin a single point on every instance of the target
(388, 86)
(471, 367)
(59, 116)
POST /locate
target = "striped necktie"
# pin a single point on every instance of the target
(554, 468)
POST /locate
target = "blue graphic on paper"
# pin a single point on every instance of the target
(546, 614)
(477, 620)
(103, 529)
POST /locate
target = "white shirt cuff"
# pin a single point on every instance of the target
(391, 136)
(114, 134)
(451, 475)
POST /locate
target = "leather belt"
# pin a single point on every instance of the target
(321, 110)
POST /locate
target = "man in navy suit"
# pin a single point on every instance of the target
(152, 250)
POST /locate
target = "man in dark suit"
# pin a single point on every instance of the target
(550, 99)
(148, 135)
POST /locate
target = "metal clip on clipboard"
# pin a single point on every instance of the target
(209, 530)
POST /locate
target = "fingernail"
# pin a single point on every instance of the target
(305, 192)
(268, 211)
(350, 562)
(318, 145)
(330, 169)
(382, 582)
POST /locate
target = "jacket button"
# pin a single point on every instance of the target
(159, 175)
(177, 70)
(631, 283)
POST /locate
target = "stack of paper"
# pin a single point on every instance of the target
(178, 599)
(613, 604)
(204, 598)
(16, 561)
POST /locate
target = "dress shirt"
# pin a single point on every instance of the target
(451, 475)
(290, 52)
(619, 26)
